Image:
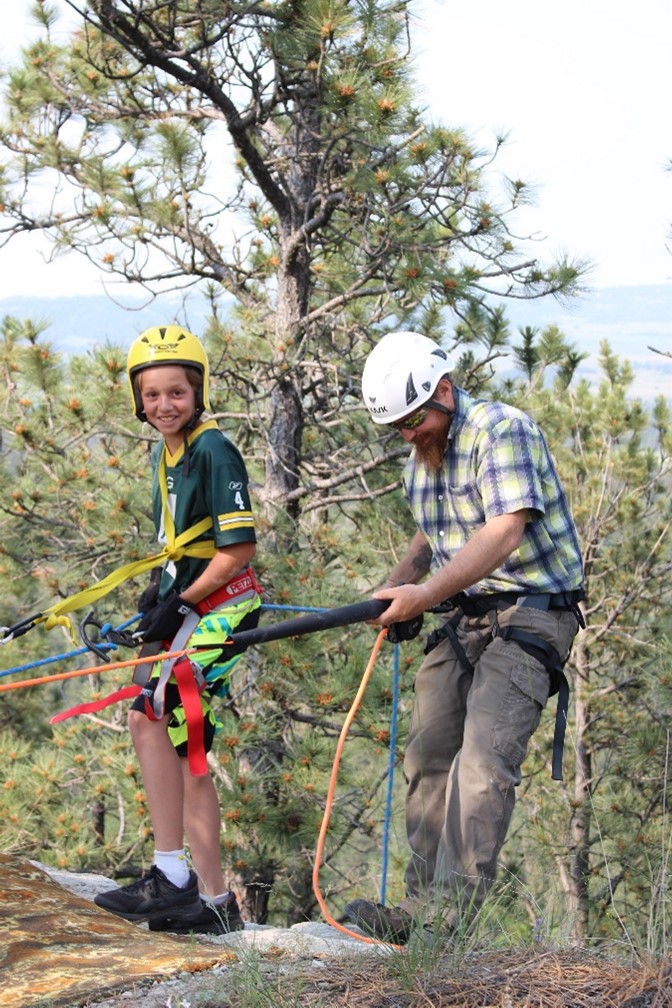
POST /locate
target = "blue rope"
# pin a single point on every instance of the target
(295, 608)
(390, 775)
(108, 646)
(103, 645)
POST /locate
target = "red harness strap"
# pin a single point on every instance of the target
(189, 689)
(125, 693)
(240, 585)
(190, 698)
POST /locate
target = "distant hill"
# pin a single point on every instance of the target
(78, 323)
(631, 319)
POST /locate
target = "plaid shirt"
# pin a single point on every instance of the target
(497, 462)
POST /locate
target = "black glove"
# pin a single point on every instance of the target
(405, 630)
(149, 597)
(164, 620)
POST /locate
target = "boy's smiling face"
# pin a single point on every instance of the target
(168, 400)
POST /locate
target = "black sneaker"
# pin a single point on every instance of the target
(390, 924)
(220, 919)
(154, 895)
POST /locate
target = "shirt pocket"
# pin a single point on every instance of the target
(466, 504)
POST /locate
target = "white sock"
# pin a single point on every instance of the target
(215, 900)
(174, 866)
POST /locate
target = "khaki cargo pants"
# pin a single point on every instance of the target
(468, 737)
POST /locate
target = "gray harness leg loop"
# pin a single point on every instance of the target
(178, 643)
(532, 644)
(545, 653)
(447, 632)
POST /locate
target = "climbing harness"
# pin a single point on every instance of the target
(186, 672)
(532, 644)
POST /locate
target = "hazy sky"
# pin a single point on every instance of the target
(581, 87)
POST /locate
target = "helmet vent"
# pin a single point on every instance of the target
(411, 393)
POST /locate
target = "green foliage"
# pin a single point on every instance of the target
(72, 494)
(351, 208)
(277, 152)
(76, 507)
(614, 457)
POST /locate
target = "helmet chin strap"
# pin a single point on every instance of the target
(187, 429)
(435, 404)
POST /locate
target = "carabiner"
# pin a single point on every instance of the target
(20, 628)
(90, 620)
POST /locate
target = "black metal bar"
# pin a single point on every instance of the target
(358, 612)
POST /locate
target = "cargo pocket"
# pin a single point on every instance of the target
(521, 709)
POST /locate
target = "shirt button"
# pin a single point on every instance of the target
(441, 533)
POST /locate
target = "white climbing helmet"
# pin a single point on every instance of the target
(401, 373)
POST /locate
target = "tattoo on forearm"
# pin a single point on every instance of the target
(422, 560)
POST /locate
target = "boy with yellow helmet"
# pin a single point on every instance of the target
(200, 498)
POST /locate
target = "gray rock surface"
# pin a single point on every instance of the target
(313, 945)
(311, 936)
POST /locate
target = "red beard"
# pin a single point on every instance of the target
(430, 448)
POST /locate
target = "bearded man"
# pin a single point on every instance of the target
(497, 550)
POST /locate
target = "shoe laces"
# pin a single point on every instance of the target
(149, 877)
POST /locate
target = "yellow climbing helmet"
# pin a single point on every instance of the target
(169, 344)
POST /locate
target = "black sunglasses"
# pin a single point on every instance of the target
(411, 422)
(416, 419)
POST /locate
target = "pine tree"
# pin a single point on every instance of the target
(275, 154)
(606, 829)
(278, 152)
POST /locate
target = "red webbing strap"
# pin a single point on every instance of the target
(190, 696)
(191, 701)
(125, 693)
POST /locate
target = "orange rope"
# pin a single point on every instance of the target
(94, 668)
(319, 850)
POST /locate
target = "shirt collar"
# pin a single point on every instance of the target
(462, 401)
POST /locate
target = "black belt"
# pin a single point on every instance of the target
(477, 605)
(560, 600)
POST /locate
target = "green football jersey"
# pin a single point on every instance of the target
(215, 486)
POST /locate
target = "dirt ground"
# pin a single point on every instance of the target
(504, 980)
(59, 951)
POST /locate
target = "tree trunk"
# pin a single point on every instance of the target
(304, 902)
(285, 406)
(258, 887)
(98, 821)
